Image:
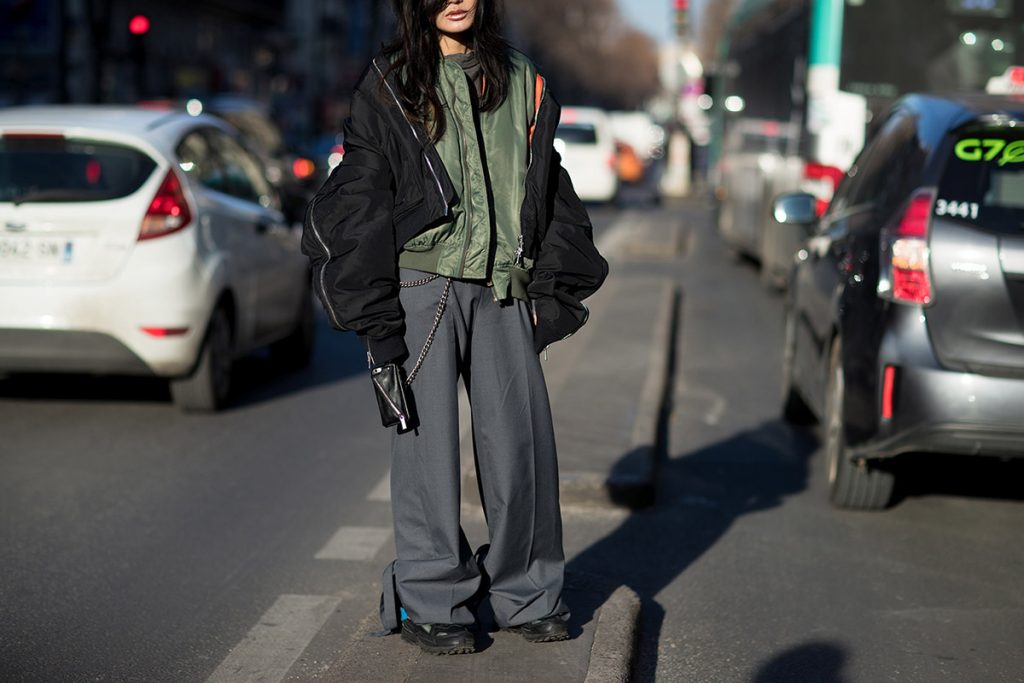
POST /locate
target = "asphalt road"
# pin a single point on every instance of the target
(745, 571)
(138, 544)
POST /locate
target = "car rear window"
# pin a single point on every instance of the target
(983, 181)
(577, 133)
(39, 168)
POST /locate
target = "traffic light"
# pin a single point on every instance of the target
(682, 12)
(138, 25)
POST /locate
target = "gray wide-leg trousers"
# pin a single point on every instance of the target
(490, 346)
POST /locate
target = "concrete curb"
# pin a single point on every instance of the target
(615, 637)
(631, 482)
(634, 485)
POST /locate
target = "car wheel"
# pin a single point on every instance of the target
(852, 485)
(794, 409)
(771, 279)
(206, 389)
(295, 351)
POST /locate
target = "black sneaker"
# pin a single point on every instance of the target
(544, 630)
(439, 639)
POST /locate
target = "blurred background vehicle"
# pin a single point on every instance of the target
(143, 242)
(295, 177)
(827, 71)
(759, 161)
(628, 164)
(639, 130)
(327, 151)
(905, 321)
(586, 142)
(639, 150)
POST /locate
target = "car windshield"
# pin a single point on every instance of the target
(983, 182)
(36, 168)
(577, 133)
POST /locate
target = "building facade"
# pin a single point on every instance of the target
(298, 57)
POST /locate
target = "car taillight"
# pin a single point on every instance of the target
(905, 256)
(303, 168)
(168, 212)
(821, 181)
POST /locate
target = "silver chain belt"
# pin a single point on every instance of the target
(441, 305)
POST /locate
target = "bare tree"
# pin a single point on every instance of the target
(587, 51)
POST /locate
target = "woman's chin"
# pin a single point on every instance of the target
(454, 28)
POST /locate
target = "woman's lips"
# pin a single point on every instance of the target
(457, 16)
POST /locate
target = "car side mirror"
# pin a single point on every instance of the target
(796, 208)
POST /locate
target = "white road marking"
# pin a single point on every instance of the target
(709, 405)
(273, 645)
(382, 491)
(355, 543)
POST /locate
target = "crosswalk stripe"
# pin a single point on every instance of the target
(274, 644)
(355, 543)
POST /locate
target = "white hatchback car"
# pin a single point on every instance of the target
(586, 143)
(142, 242)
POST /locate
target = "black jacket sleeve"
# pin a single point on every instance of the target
(349, 238)
(568, 267)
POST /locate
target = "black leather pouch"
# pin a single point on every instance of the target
(389, 387)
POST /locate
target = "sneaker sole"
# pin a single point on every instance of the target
(547, 638)
(438, 649)
(554, 637)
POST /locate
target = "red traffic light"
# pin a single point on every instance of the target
(138, 25)
(681, 5)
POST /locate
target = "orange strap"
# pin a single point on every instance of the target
(538, 95)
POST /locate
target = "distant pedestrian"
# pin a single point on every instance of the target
(451, 240)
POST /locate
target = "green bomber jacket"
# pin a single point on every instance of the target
(478, 147)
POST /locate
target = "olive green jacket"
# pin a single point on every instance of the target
(487, 164)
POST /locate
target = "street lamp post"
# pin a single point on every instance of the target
(676, 180)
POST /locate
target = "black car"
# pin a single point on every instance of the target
(905, 319)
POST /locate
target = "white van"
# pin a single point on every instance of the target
(585, 141)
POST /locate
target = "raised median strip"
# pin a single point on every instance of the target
(603, 629)
(608, 411)
(608, 387)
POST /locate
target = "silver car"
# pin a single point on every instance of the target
(905, 319)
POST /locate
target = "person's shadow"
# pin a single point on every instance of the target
(817, 662)
(700, 495)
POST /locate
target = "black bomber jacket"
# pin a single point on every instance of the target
(392, 184)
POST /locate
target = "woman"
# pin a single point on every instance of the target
(452, 242)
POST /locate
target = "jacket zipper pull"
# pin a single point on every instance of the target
(401, 421)
(519, 251)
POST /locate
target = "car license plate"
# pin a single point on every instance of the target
(35, 250)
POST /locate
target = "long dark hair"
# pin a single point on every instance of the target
(416, 59)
